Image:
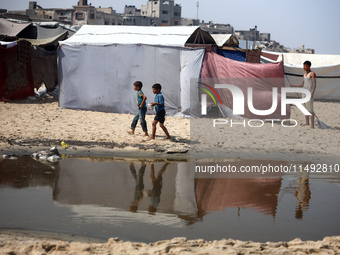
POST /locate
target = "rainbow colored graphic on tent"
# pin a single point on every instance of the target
(209, 93)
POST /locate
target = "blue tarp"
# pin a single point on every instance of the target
(235, 55)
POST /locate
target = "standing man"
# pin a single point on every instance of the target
(308, 82)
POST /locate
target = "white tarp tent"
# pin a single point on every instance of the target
(99, 75)
(176, 36)
(326, 67)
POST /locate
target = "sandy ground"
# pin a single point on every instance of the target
(27, 124)
(25, 243)
(43, 123)
(273, 140)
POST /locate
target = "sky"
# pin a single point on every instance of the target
(292, 23)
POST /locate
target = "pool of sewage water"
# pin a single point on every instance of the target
(147, 201)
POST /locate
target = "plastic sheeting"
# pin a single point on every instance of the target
(101, 78)
(8, 44)
(326, 67)
(11, 29)
(261, 77)
(232, 54)
(107, 35)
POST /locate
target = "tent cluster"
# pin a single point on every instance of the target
(28, 57)
(98, 65)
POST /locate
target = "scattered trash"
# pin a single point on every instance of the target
(51, 155)
(63, 144)
(10, 156)
(42, 92)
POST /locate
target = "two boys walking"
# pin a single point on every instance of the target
(160, 110)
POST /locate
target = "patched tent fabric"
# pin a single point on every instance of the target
(326, 67)
(100, 78)
(16, 79)
(261, 77)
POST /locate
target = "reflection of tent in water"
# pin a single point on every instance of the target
(113, 184)
(219, 194)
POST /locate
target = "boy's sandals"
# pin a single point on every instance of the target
(131, 132)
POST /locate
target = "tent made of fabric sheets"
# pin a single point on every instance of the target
(100, 78)
(16, 78)
(326, 67)
(176, 36)
(261, 77)
(225, 40)
(11, 29)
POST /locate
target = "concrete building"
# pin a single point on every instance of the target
(265, 37)
(88, 14)
(190, 22)
(132, 17)
(80, 14)
(251, 35)
(215, 28)
(304, 50)
(168, 13)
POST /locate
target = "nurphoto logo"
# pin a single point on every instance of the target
(238, 105)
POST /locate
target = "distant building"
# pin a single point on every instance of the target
(168, 13)
(80, 14)
(265, 37)
(89, 15)
(303, 50)
(214, 28)
(190, 22)
(132, 17)
(251, 35)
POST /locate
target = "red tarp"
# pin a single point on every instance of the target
(261, 77)
(16, 79)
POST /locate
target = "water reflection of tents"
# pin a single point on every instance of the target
(219, 194)
(110, 184)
